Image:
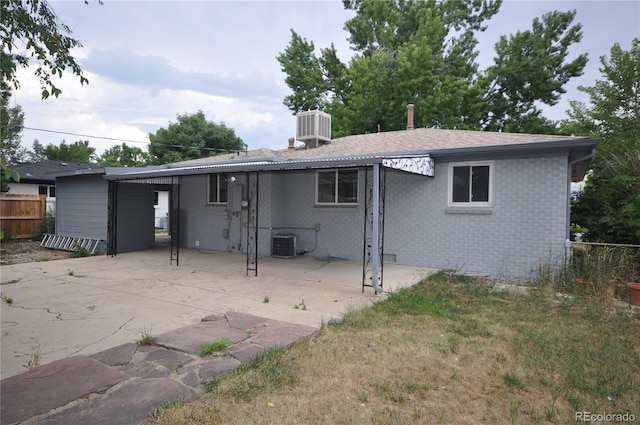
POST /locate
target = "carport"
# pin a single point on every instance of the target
(374, 167)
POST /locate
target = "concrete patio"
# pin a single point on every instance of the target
(87, 305)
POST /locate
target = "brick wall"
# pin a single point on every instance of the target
(525, 225)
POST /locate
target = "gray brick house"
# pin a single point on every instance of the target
(495, 204)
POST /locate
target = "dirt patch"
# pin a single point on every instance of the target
(28, 251)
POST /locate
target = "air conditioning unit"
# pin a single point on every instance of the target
(283, 245)
(313, 128)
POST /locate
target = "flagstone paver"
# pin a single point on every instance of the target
(125, 383)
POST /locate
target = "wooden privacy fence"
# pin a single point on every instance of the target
(21, 215)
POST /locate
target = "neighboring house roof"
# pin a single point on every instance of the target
(366, 149)
(45, 172)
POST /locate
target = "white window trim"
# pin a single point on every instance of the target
(335, 203)
(450, 202)
(218, 193)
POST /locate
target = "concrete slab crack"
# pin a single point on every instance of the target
(103, 338)
(324, 264)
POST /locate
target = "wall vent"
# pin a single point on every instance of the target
(283, 245)
(313, 128)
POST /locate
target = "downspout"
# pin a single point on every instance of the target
(567, 242)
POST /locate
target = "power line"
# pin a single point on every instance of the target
(84, 135)
(135, 141)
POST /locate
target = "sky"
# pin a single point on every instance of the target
(149, 61)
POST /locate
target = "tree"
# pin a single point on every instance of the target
(609, 205)
(30, 28)
(304, 72)
(124, 156)
(530, 67)
(424, 52)
(11, 125)
(419, 52)
(192, 137)
(7, 175)
(79, 152)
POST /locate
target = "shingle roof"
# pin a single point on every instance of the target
(367, 148)
(46, 171)
(430, 141)
(240, 156)
(418, 141)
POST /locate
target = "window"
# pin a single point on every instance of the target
(155, 198)
(470, 183)
(337, 187)
(49, 191)
(218, 189)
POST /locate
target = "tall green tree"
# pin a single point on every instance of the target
(11, 125)
(304, 71)
(30, 30)
(424, 52)
(609, 205)
(79, 152)
(192, 137)
(124, 156)
(531, 67)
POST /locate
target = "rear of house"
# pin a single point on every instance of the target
(494, 204)
(519, 221)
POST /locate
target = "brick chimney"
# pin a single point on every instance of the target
(291, 146)
(410, 108)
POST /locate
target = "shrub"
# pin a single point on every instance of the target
(47, 225)
(594, 271)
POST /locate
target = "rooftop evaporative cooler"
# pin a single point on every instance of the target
(313, 128)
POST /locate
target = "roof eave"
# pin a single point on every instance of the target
(81, 172)
(524, 147)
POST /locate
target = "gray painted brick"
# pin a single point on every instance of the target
(526, 226)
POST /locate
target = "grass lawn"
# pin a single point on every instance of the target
(445, 351)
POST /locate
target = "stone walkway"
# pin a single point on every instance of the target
(124, 384)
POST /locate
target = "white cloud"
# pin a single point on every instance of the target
(148, 61)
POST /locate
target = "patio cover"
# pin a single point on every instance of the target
(416, 164)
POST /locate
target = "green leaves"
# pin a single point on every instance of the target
(424, 52)
(530, 67)
(305, 74)
(124, 156)
(79, 152)
(46, 40)
(610, 203)
(7, 175)
(11, 125)
(192, 137)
